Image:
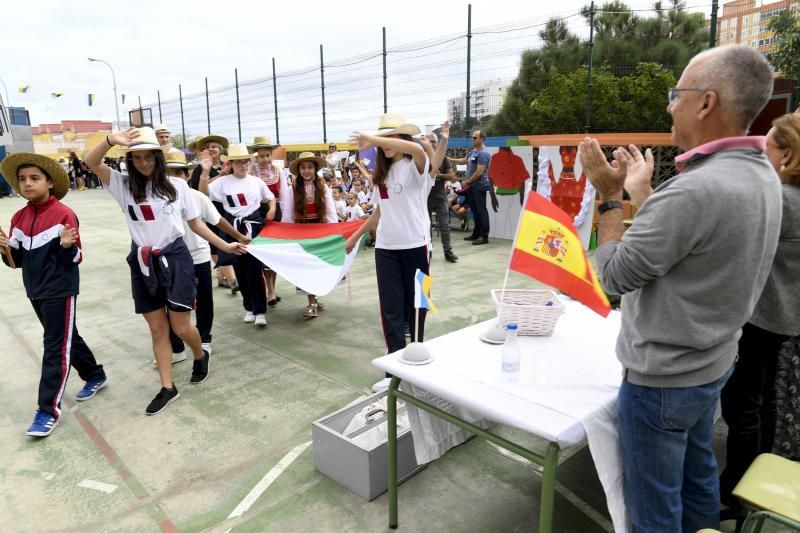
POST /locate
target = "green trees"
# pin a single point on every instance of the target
(625, 45)
(785, 57)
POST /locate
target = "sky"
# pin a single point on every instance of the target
(158, 45)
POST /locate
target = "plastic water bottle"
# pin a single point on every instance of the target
(511, 354)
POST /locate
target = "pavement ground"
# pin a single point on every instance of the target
(108, 467)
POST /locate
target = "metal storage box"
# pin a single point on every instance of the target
(361, 466)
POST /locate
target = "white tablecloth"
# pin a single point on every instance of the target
(566, 392)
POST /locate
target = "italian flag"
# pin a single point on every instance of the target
(310, 256)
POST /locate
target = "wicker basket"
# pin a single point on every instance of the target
(529, 309)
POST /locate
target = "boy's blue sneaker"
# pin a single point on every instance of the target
(90, 389)
(43, 425)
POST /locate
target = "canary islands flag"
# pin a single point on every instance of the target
(547, 248)
(422, 291)
(91, 99)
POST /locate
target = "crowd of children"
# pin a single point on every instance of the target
(184, 222)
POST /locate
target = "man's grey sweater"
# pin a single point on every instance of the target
(692, 267)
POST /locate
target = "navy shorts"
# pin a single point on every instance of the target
(180, 296)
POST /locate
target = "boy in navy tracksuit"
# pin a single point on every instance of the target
(43, 242)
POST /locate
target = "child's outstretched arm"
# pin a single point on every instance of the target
(406, 147)
(94, 159)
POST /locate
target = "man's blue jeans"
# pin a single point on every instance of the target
(671, 474)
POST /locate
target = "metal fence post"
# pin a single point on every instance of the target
(208, 109)
(467, 118)
(322, 75)
(238, 114)
(588, 126)
(712, 34)
(160, 119)
(385, 103)
(183, 125)
(275, 96)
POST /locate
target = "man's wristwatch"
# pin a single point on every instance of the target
(608, 205)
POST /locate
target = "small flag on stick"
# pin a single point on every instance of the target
(56, 95)
(91, 99)
(422, 291)
(23, 89)
(123, 98)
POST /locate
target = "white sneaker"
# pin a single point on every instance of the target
(261, 320)
(249, 317)
(382, 385)
(206, 346)
(176, 358)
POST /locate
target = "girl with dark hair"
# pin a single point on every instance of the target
(402, 176)
(162, 271)
(308, 200)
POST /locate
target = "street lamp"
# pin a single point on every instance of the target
(113, 77)
(8, 100)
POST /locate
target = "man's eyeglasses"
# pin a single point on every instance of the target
(674, 92)
(775, 145)
(475, 138)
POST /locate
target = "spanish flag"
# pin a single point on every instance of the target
(547, 248)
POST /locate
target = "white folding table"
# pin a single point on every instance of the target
(566, 380)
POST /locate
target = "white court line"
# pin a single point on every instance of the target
(108, 488)
(268, 479)
(573, 498)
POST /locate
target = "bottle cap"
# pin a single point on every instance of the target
(511, 326)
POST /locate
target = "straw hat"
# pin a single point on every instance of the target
(145, 141)
(12, 162)
(193, 144)
(236, 152)
(176, 159)
(162, 128)
(200, 144)
(395, 124)
(262, 141)
(306, 156)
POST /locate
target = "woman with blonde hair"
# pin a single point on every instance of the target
(749, 397)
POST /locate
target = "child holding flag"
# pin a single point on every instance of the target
(49, 255)
(201, 256)
(162, 274)
(402, 176)
(241, 196)
(308, 200)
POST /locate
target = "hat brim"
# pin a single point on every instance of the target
(253, 147)
(139, 147)
(321, 163)
(200, 144)
(404, 129)
(176, 164)
(12, 162)
(235, 157)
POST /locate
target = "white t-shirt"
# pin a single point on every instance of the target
(197, 245)
(403, 201)
(353, 212)
(340, 208)
(239, 196)
(154, 222)
(362, 197)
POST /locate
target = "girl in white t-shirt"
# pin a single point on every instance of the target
(402, 176)
(162, 277)
(308, 200)
(241, 196)
(353, 211)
